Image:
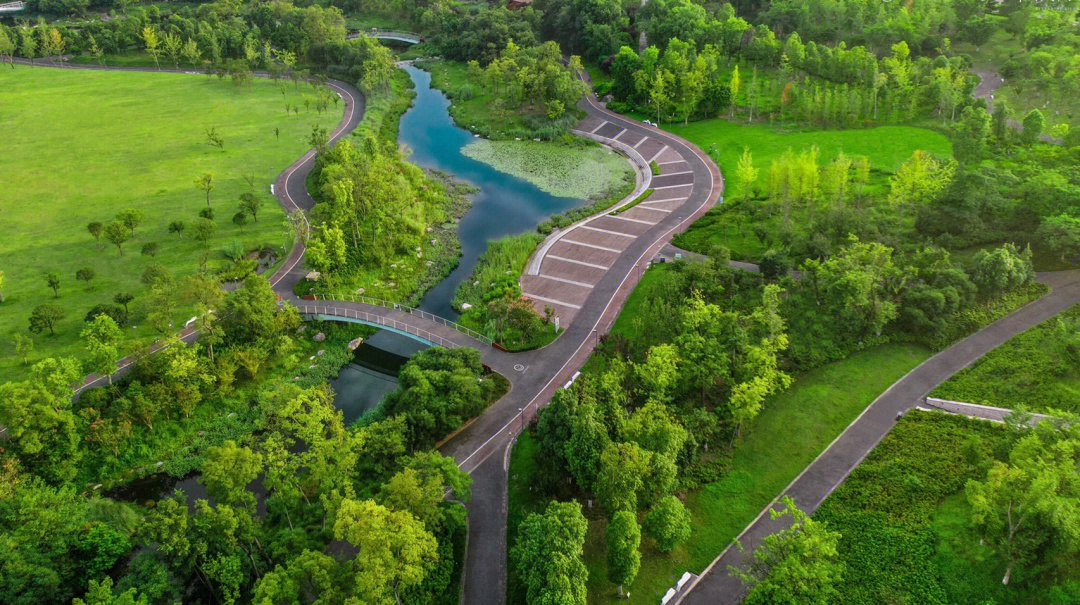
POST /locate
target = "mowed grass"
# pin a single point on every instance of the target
(80, 145)
(887, 147)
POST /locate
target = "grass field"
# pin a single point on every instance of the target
(887, 147)
(79, 146)
(1034, 369)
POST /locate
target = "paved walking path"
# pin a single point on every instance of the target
(834, 464)
(572, 261)
(482, 446)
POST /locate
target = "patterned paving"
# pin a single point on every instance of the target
(570, 267)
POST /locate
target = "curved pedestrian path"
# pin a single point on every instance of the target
(814, 484)
(572, 261)
(482, 446)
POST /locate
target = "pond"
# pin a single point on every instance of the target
(505, 204)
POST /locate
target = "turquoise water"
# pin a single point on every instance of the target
(505, 205)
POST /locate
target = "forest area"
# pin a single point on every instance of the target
(891, 205)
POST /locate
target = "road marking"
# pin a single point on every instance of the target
(642, 206)
(691, 185)
(666, 199)
(632, 220)
(671, 162)
(676, 173)
(617, 134)
(607, 231)
(550, 300)
(566, 281)
(577, 243)
(578, 262)
(602, 124)
(641, 141)
(662, 149)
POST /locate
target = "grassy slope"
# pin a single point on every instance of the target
(80, 146)
(1028, 370)
(887, 147)
(804, 420)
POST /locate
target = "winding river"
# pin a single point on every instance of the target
(504, 205)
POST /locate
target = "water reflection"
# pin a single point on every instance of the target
(505, 204)
(372, 373)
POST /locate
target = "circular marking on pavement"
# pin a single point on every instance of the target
(518, 367)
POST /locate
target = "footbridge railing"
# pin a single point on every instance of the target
(12, 7)
(395, 35)
(393, 306)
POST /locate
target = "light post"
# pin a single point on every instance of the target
(521, 421)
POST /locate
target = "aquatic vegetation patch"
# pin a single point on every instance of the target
(578, 171)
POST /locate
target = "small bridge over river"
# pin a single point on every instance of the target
(11, 7)
(384, 34)
(419, 325)
(414, 323)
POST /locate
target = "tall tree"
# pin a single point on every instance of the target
(45, 317)
(668, 523)
(1033, 500)
(131, 218)
(228, 469)
(547, 555)
(151, 43)
(54, 283)
(1034, 123)
(117, 233)
(250, 204)
(38, 414)
(623, 557)
(95, 228)
(395, 551)
(746, 173)
(623, 467)
(205, 183)
(101, 337)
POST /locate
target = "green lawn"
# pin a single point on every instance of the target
(1036, 369)
(81, 145)
(887, 147)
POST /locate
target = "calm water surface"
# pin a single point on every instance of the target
(505, 205)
